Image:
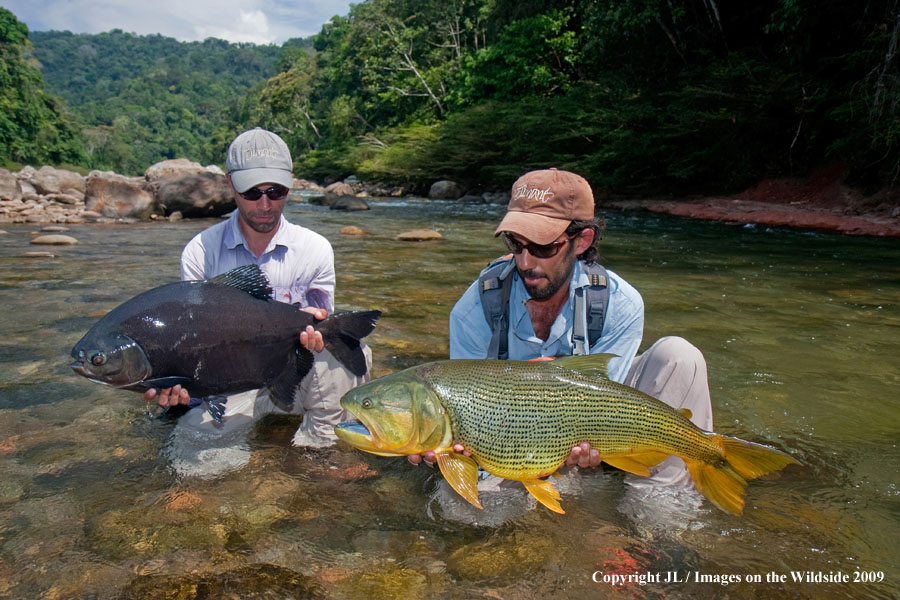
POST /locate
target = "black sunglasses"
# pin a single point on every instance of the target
(536, 250)
(276, 192)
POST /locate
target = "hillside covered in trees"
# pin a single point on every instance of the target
(681, 96)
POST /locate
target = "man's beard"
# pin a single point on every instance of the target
(554, 284)
(260, 227)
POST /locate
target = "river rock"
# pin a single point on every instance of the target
(496, 197)
(420, 235)
(196, 195)
(175, 167)
(54, 228)
(10, 188)
(348, 203)
(305, 184)
(445, 190)
(114, 195)
(49, 180)
(55, 240)
(352, 230)
(339, 188)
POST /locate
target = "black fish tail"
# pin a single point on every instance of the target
(342, 333)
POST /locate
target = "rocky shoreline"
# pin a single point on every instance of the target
(178, 188)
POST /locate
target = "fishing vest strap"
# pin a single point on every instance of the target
(495, 288)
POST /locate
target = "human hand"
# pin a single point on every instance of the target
(168, 397)
(583, 456)
(310, 338)
(430, 457)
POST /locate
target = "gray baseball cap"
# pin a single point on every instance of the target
(259, 156)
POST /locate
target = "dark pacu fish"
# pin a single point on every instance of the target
(216, 337)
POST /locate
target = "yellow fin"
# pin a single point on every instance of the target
(686, 413)
(591, 365)
(461, 472)
(726, 482)
(752, 460)
(545, 493)
(721, 485)
(637, 463)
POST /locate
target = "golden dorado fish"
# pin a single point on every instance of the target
(520, 420)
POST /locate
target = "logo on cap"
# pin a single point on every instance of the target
(522, 191)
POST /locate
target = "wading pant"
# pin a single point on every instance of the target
(673, 371)
(317, 399)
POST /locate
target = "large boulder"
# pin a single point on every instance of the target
(339, 188)
(49, 180)
(10, 188)
(348, 203)
(197, 195)
(113, 195)
(172, 168)
(445, 190)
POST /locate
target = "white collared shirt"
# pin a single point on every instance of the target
(298, 262)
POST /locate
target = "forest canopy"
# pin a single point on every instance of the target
(640, 96)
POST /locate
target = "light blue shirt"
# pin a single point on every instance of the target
(623, 327)
(298, 262)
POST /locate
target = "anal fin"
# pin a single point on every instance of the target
(283, 387)
(461, 472)
(638, 463)
(545, 493)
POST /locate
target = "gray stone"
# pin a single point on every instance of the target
(445, 190)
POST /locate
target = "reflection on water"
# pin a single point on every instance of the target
(800, 331)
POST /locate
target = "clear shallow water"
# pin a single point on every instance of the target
(800, 332)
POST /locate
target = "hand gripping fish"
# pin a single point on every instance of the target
(216, 337)
(521, 419)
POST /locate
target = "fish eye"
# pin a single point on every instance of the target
(98, 359)
(367, 403)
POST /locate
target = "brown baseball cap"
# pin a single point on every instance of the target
(543, 203)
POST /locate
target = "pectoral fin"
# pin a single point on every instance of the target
(639, 463)
(461, 472)
(168, 382)
(545, 493)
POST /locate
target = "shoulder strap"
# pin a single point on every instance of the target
(590, 309)
(494, 287)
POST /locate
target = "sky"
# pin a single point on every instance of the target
(256, 21)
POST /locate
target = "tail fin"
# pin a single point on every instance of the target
(342, 332)
(725, 483)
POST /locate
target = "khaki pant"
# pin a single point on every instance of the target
(673, 371)
(317, 399)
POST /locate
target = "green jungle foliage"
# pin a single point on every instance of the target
(34, 128)
(143, 99)
(640, 96)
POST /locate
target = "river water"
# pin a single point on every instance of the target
(800, 331)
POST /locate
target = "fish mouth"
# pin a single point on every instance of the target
(360, 437)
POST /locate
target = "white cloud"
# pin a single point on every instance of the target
(257, 21)
(250, 27)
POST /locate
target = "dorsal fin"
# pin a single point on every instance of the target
(590, 365)
(248, 278)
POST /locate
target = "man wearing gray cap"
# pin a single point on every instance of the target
(299, 265)
(549, 298)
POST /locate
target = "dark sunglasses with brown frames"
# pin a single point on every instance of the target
(536, 250)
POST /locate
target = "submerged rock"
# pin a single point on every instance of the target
(420, 235)
(352, 230)
(55, 240)
(253, 582)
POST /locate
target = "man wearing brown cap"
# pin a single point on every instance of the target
(551, 299)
